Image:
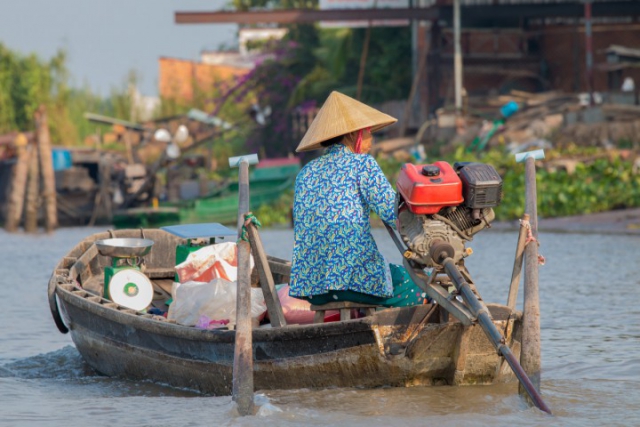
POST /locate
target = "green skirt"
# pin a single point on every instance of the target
(405, 293)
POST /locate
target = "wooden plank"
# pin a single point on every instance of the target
(160, 272)
(81, 266)
(291, 16)
(274, 307)
(279, 266)
(339, 305)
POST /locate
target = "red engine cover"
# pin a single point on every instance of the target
(428, 194)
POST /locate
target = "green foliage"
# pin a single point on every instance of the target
(278, 212)
(605, 184)
(599, 185)
(26, 82)
(337, 64)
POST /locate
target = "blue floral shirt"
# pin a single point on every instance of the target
(333, 246)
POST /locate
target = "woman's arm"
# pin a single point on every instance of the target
(377, 191)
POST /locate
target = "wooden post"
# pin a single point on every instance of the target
(530, 353)
(517, 264)
(18, 184)
(242, 392)
(33, 190)
(46, 165)
(104, 168)
(243, 353)
(243, 194)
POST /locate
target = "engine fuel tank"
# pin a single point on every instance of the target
(428, 188)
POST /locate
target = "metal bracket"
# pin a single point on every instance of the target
(453, 306)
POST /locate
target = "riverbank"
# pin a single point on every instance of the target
(623, 221)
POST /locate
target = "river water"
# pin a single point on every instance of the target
(590, 310)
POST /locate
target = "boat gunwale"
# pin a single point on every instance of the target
(138, 321)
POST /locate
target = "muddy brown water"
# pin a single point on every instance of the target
(590, 320)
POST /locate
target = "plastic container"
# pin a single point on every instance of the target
(509, 109)
(429, 188)
(61, 159)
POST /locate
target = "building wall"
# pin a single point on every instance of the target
(563, 49)
(549, 57)
(179, 78)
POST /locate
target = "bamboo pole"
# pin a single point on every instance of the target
(18, 184)
(33, 189)
(46, 165)
(517, 264)
(530, 353)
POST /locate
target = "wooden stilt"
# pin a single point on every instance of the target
(46, 165)
(105, 185)
(18, 184)
(33, 192)
(530, 356)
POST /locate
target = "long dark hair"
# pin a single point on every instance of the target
(332, 141)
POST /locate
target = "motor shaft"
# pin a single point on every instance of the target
(440, 254)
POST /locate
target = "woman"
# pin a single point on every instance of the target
(335, 256)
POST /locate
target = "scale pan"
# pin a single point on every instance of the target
(124, 247)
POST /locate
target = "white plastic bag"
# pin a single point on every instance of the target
(215, 300)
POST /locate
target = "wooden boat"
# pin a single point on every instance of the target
(401, 347)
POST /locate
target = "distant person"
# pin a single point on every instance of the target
(335, 257)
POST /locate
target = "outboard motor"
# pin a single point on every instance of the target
(440, 203)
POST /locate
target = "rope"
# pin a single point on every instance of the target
(530, 238)
(249, 218)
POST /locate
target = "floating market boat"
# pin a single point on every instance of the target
(408, 346)
(269, 180)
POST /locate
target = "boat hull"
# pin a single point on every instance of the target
(368, 352)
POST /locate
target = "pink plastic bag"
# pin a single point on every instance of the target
(298, 311)
(211, 262)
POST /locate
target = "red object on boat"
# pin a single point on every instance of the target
(428, 188)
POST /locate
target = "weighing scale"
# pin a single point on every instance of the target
(124, 282)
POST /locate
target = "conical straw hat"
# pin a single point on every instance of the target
(340, 115)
